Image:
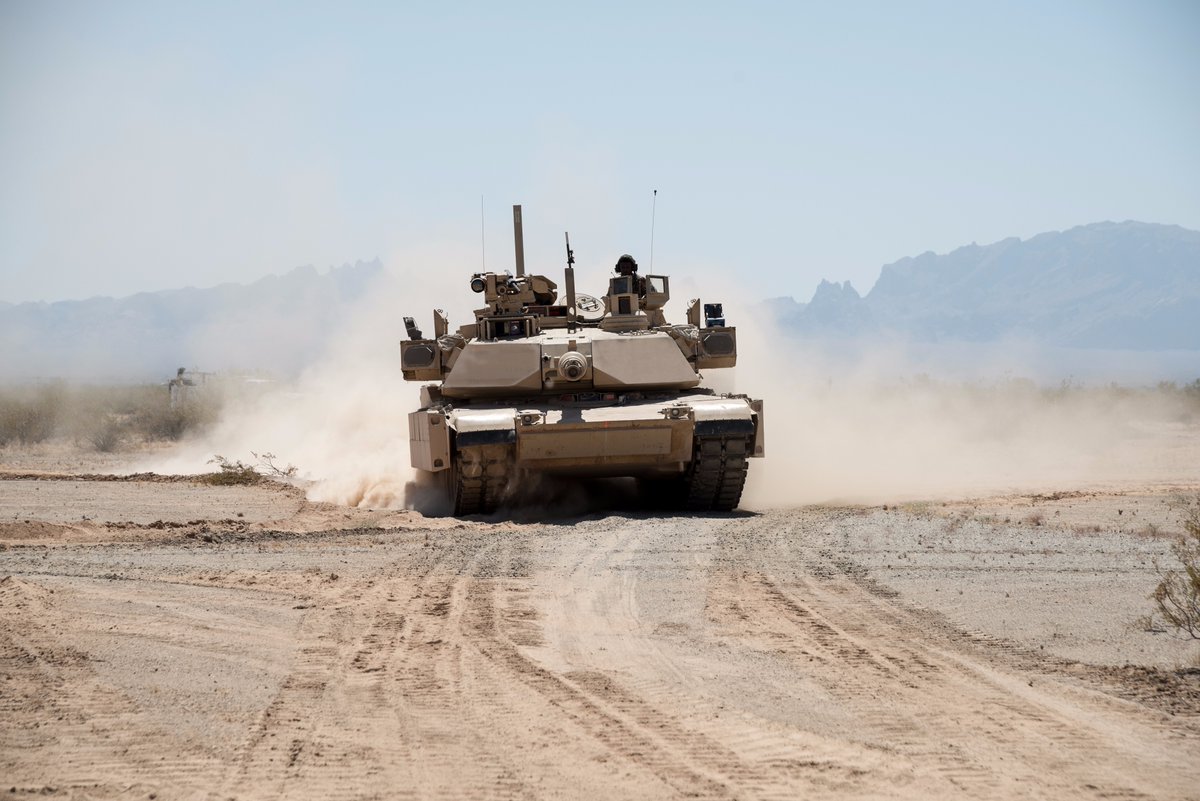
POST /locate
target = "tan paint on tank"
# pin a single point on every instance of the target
(647, 360)
(495, 368)
(429, 440)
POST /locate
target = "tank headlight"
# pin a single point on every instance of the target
(572, 365)
(478, 284)
(416, 356)
(718, 343)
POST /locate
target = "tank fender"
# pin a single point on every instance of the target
(484, 427)
(724, 417)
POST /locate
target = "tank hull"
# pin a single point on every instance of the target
(668, 438)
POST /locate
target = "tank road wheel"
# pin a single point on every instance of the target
(478, 480)
(717, 473)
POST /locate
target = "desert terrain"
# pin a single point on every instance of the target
(161, 637)
(259, 265)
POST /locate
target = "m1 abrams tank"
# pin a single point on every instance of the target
(586, 387)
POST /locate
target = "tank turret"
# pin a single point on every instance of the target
(582, 386)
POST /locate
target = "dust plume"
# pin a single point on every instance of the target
(873, 423)
(343, 422)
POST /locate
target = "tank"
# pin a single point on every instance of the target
(580, 386)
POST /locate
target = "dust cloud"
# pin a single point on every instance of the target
(869, 425)
(343, 422)
(872, 424)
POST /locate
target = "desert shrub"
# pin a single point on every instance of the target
(269, 468)
(230, 473)
(106, 436)
(1191, 393)
(1177, 596)
(29, 415)
(162, 421)
(91, 422)
(10, 421)
(147, 412)
(101, 416)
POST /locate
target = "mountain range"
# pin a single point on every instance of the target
(1127, 285)
(280, 324)
(1099, 288)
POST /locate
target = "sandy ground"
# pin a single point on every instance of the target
(165, 638)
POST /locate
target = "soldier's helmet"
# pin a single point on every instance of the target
(626, 265)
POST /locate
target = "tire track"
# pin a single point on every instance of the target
(663, 720)
(332, 730)
(97, 732)
(958, 715)
(659, 658)
(580, 697)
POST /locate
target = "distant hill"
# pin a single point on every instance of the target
(1126, 285)
(279, 323)
(1102, 287)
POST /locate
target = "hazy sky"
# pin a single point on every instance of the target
(155, 145)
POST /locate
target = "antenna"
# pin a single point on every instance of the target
(653, 209)
(519, 240)
(570, 281)
(482, 239)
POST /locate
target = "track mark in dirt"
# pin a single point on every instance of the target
(639, 658)
(377, 702)
(327, 734)
(947, 706)
(639, 712)
(580, 698)
(98, 733)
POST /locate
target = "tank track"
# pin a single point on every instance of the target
(480, 478)
(717, 474)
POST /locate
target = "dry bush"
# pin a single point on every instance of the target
(1186, 398)
(1177, 596)
(106, 437)
(1191, 393)
(146, 413)
(29, 415)
(92, 422)
(159, 420)
(101, 417)
(268, 467)
(231, 473)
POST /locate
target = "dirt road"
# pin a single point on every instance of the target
(622, 656)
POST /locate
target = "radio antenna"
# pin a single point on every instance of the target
(570, 280)
(653, 208)
(482, 239)
(519, 240)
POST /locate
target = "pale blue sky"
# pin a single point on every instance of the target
(154, 145)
